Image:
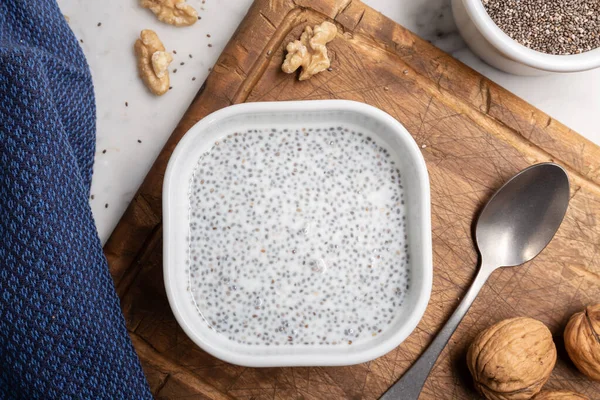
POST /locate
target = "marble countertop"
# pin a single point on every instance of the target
(133, 125)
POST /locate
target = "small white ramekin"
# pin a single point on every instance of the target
(313, 114)
(496, 48)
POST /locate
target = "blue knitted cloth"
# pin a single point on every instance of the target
(62, 334)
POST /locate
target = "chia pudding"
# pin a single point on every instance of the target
(298, 237)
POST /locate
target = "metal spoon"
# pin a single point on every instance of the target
(517, 223)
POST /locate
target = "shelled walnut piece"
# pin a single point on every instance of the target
(560, 395)
(310, 52)
(153, 62)
(582, 341)
(512, 359)
(174, 12)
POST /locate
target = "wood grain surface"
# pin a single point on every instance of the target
(474, 135)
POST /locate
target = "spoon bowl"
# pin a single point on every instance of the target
(522, 217)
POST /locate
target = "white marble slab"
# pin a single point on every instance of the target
(130, 137)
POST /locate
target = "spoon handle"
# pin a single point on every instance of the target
(410, 385)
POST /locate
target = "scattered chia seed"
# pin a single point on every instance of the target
(174, 51)
(104, 151)
(182, 63)
(139, 141)
(554, 27)
(190, 56)
(106, 205)
(291, 247)
(175, 71)
(99, 23)
(209, 45)
(208, 35)
(194, 78)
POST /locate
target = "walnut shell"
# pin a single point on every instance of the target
(582, 340)
(560, 395)
(512, 359)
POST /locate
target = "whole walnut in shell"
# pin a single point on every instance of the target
(560, 395)
(582, 340)
(512, 359)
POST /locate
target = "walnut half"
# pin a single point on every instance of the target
(174, 12)
(310, 51)
(153, 62)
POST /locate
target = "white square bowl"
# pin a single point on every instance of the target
(323, 113)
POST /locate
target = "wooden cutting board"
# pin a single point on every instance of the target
(474, 135)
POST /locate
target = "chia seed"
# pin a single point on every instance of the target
(291, 247)
(558, 27)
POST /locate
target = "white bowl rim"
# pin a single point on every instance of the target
(290, 360)
(523, 54)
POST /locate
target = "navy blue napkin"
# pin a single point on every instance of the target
(62, 333)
